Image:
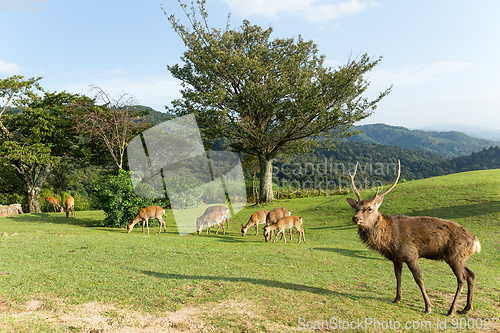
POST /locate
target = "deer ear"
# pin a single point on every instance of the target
(378, 201)
(352, 202)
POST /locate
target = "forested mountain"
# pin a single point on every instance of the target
(447, 144)
(377, 165)
(483, 160)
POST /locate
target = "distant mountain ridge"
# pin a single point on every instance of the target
(474, 131)
(447, 144)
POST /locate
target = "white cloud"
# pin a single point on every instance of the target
(312, 10)
(8, 68)
(418, 74)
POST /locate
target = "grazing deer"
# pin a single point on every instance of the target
(218, 209)
(273, 217)
(209, 220)
(145, 214)
(69, 203)
(256, 219)
(283, 224)
(55, 204)
(405, 239)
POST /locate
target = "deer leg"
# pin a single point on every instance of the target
(470, 289)
(143, 223)
(398, 269)
(291, 234)
(279, 232)
(256, 229)
(459, 270)
(417, 275)
(227, 223)
(162, 222)
(147, 225)
(301, 234)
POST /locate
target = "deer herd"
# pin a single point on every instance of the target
(69, 205)
(399, 238)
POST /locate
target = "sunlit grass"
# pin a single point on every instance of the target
(332, 275)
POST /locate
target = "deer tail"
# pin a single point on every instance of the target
(477, 245)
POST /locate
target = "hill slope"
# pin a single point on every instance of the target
(447, 144)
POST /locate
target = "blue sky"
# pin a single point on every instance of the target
(442, 57)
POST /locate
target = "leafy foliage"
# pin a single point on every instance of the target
(116, 197)
(269, 96)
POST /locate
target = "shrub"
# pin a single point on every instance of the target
(116, 197)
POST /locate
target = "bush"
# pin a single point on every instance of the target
(116, 197)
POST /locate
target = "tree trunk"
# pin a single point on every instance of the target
(266, 178)
(33, 177)
(254, 190)
(32, 200)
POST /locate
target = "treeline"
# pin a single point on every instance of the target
(329, 170)
(321, 169)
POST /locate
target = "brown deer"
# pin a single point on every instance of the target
(55, 204)
(218, 209)
(405, 239)
(256, 219)
(145, 214)
(273, 217)
(283, 224)
(69, 203)
(209, 220)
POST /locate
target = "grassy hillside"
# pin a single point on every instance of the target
(61, 275)
(447, 144)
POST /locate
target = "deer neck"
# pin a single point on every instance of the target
(379, 236)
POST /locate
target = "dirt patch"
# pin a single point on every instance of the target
(97, 317)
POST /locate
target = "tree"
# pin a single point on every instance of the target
(268, 96)
(110, 125)
(35, 140)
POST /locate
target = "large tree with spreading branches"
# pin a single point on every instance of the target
(268, 96)
(38, 137)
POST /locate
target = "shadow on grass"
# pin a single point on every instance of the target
(349, 253)
(460, 211)
(56, 218)
(260, 282)
(351, 226)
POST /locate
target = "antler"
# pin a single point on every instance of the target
(352, 182)
(393, 185)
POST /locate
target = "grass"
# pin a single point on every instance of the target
(243, 284)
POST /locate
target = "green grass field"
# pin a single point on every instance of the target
(59, 274)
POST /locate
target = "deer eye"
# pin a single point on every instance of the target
(370, 209)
